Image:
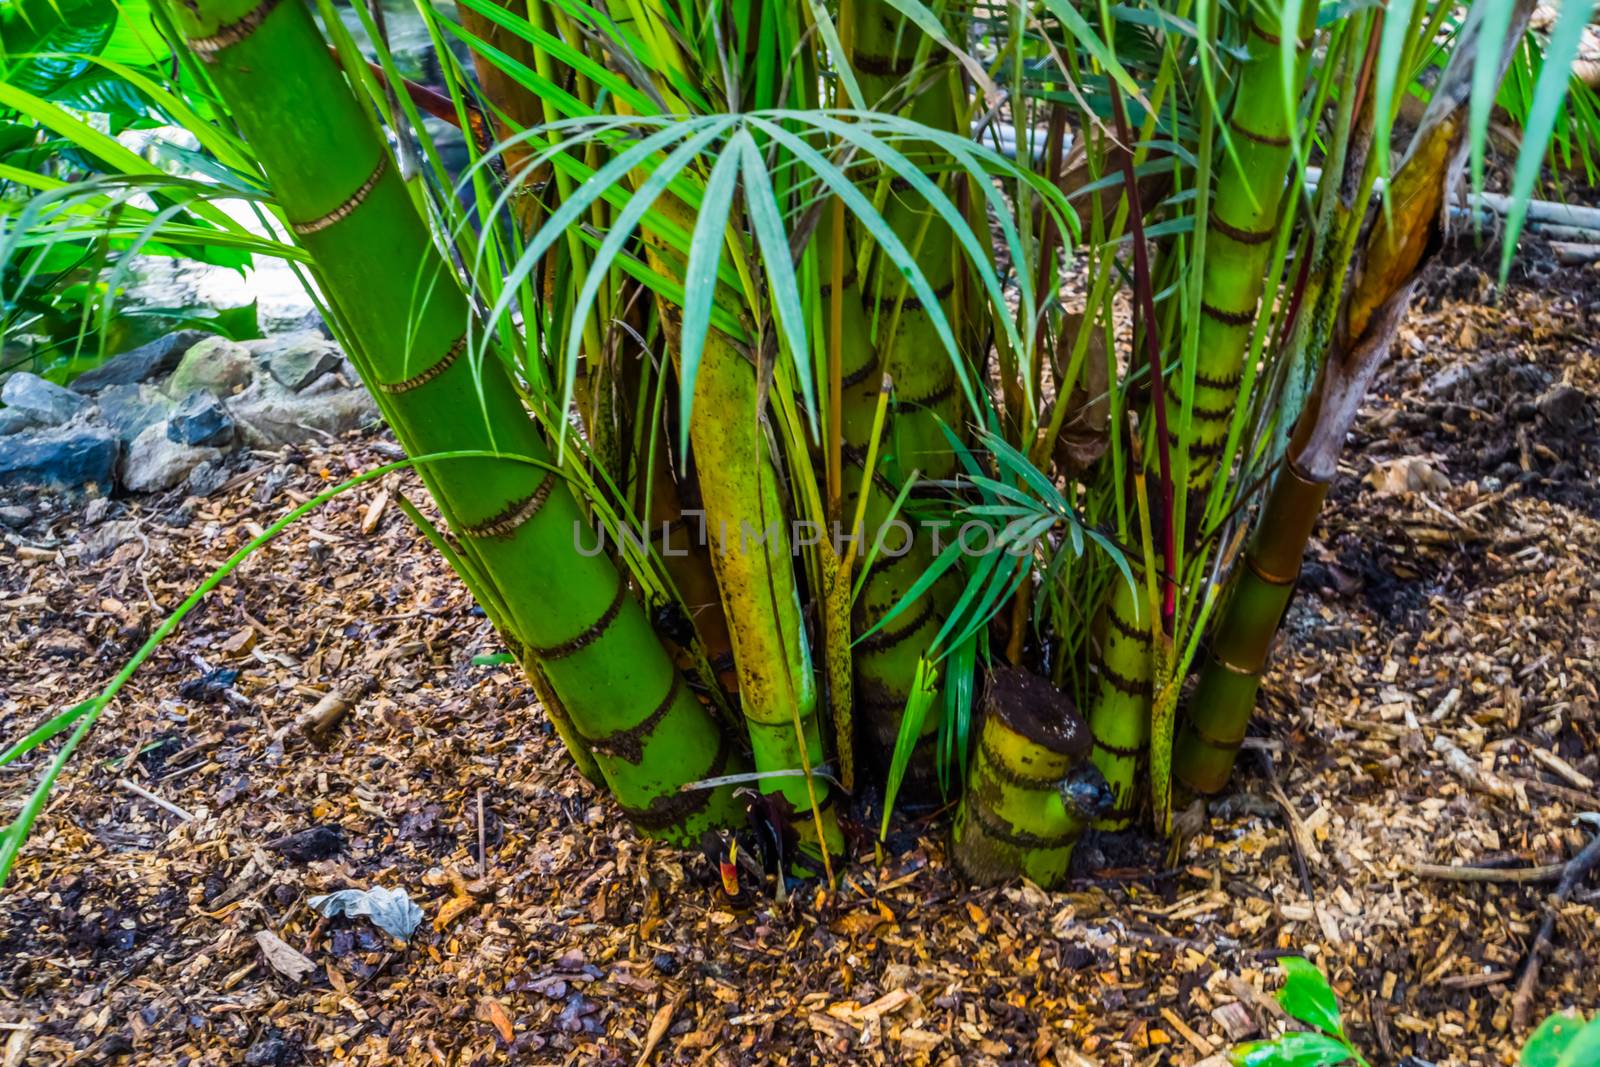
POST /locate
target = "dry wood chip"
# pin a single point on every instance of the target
(658, 1027)
(284, 957)
(493, 1012)
(1235, 1019)
(859, 1014)
(1466, 768)
(451, 910)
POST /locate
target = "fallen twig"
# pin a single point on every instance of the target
(1466, 768)
(324, 718)
(1558, 792)
(483, 867)
(164, 805)
(1575, 870)
(1547, 872)
(1561, 768)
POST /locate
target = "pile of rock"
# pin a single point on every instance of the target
(168, 412)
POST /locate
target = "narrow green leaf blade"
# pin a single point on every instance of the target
(766, 219)
(700, 278)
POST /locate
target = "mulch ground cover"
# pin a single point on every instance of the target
(320, 724)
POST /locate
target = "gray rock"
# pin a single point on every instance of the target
(332, 382)
(270, 416)
(15, 420)
(217, 365)
(46, 402)
(1452, 378)
(297, 359)
(70, 458)
(142, 364)
(200, 419)
(155, 463)
(299, 369)
(15, 516)
(129, 408)
(312, 321)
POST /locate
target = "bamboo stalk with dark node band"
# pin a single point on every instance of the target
(1244, 217)
(885, 662)
(1398, 246)
(1029, 795)
(906, 348)
(1120, 719)
(570, 614)
(1213, 729)
(608, 385)
(748, 533)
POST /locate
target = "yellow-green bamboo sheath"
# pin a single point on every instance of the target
(1015, 818)
(739, 490)
(747, 530)
(409, 321)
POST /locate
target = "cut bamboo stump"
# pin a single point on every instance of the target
(1030, 794)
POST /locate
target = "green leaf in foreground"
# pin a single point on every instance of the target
(1303, 1049)
(1308, 997)
(1563, 1040)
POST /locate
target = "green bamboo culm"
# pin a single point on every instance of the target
(1029, 796)
(1120, 716)
(1219, 712)
(885, 661)
(885, 56)
(1244, 217)
(896, 336)
(569, 613)
(1398, 245)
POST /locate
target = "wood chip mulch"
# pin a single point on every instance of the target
(1433, 702)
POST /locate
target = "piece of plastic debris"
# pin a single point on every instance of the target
(391, 910)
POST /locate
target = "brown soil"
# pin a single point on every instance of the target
(1433, 700)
